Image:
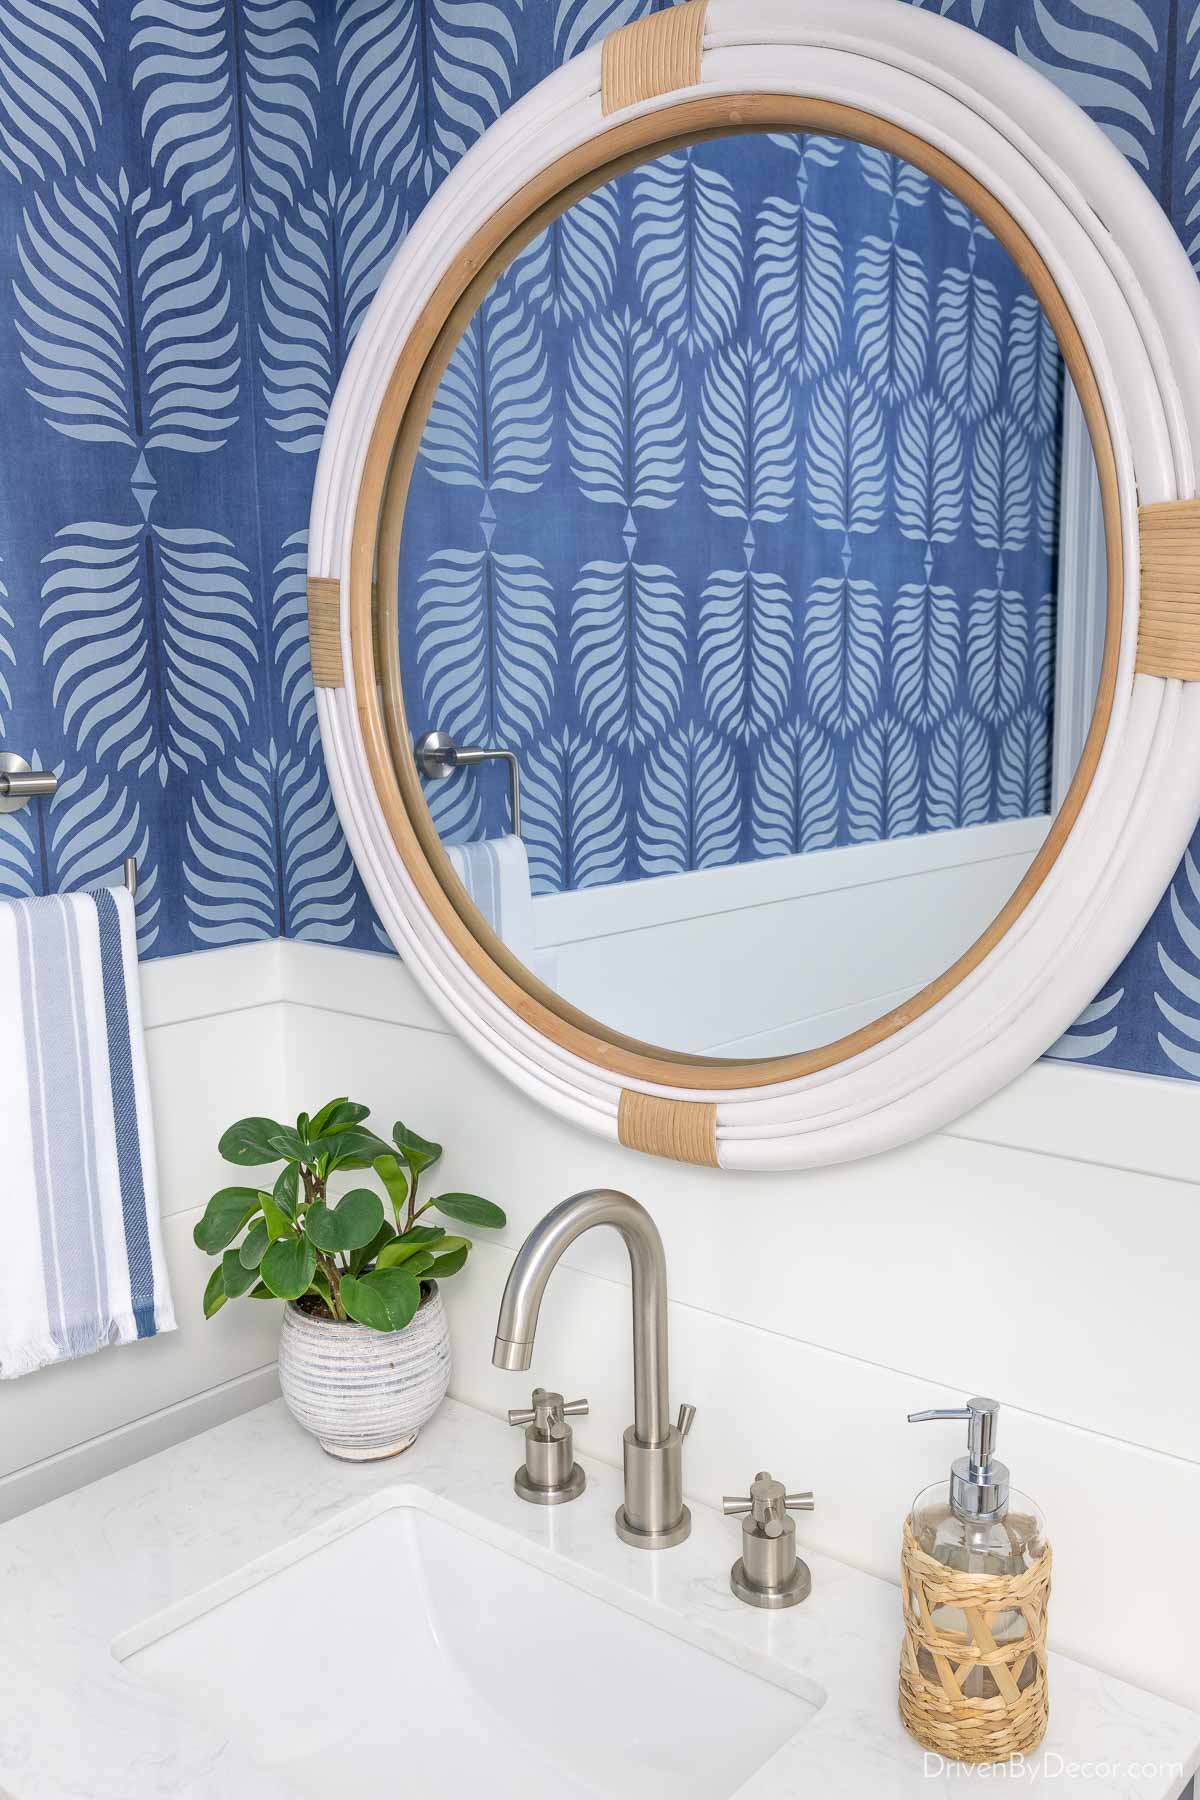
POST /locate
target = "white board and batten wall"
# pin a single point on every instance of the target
(1043, 1249)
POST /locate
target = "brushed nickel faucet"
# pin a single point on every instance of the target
(653, 1516)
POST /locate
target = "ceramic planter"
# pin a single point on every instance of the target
(365, 1394)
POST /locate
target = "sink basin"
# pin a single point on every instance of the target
(413, 1655)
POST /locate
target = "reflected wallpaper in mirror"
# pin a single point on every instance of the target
(736, 517)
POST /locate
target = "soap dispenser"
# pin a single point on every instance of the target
(975, 1577)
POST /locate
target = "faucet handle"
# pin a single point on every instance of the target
(549, 1473)
(768, 1572)
(683, 1423)
(768, 1503)
(547, 1410)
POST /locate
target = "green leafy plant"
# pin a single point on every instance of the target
(344, 1258)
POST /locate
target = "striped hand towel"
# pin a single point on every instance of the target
(81, 1258)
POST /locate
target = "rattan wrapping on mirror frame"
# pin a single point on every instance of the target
(652, 56)
(685, 1130)
(934, 1709)
(325, 631)
(1169, 616)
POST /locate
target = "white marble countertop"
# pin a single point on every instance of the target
(87, 1570)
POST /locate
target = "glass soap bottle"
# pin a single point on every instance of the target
(978, 1525)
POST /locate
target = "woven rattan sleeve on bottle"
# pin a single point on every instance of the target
(933, 1705)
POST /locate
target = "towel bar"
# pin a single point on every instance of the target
(438, 756)
(19, 784)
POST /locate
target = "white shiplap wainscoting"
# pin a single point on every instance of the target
(1044, 1249)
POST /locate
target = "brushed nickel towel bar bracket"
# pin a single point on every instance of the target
(438, 756)
(19, 784)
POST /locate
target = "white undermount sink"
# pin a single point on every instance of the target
(412, 1655)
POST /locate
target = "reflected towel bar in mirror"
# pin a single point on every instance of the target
(438, 756)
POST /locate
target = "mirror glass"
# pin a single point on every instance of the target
(754, 516)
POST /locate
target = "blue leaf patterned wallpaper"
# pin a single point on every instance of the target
(784, 576)
(197, 200)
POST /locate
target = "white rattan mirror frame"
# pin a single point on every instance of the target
(1105, 261)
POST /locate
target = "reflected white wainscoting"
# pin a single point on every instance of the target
(821, 944)
(1045, 1248)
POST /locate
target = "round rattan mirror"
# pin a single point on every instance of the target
(698, 1000)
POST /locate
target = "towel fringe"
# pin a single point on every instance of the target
(31, 1354)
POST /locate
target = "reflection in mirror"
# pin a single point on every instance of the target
(750, 516)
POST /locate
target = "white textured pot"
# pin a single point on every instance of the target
(365, 1394)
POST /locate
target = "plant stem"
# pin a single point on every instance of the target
(412, 1198)
(329, 1265)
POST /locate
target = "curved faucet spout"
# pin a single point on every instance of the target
(536, 1259)
(509, 1355)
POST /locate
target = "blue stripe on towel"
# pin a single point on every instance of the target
(35, 1078)
(56, 1061)
(87, 1202)
(129, 1149)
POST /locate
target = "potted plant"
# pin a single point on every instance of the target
(364, 1353)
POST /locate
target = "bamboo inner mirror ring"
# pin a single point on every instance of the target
(378, 520)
